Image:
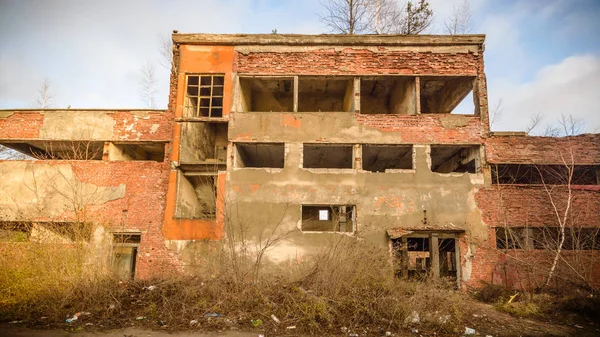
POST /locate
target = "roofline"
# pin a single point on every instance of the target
(327, 39)
(84, 109)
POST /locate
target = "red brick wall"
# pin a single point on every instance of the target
(523, 205)
(349, 61)
(427, 128)
(129, 125)
(543, 150)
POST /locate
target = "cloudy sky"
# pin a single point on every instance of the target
(542, 56)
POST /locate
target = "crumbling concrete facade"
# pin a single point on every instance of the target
(318, 137)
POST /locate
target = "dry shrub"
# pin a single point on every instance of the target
(348, 285)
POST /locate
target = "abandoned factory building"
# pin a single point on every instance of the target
(383, 139)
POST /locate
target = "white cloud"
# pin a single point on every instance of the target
(569, 87)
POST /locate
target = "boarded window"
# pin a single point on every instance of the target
(453, 158)
(379, 158)
(259, 155)
(327, 156)
(204, 95)
(327, 218)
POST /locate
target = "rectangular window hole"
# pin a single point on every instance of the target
(267, 94)
(388, 95)
(328, 94)
(196, 196)
(442, 95)
(526, 174)
(328, 218)
(53, 150)
(128, 152)
(259, 155)
(327, 156)
(378, 158)
(454, 158)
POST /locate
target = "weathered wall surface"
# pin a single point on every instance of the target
(124, 125)
(358, 60)
(584, 149)
(121, 196)
(344, 127)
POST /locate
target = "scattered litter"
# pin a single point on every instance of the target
(212, 314)
(475, 315)
(162, 324)
(150, 288)
(413, 318)
(344, 329)
(388, 333)
(193, 322)
(140, 318)
(275, 319)
(112, 306)
(578, 326)
(353, 335)
(43, 317)
(74, 318)
(291, 327)
(444, 319)
(89, 324)
(414, 331)
(489, 336)
(87, 313)
(261, 335)
(15, 322)
(469, 331)
(256, 322)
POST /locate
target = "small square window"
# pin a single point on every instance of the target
(328, 218)
(204, 95)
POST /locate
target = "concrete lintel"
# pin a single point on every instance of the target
(327, 39)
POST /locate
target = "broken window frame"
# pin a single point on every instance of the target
(433, 268)
(214, 111)
(349, 217)
(237, 157)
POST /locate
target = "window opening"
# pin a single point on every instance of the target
(267, 94)
(452, 158)
(388, 95)
(444, 93)
(204, 95)
(259, 155)
(328, 218)
(379, 158)
(124, 254)
(196, 195)
(526, 174)
(328, 94)
(327, 156)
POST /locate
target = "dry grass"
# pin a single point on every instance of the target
(349, 285)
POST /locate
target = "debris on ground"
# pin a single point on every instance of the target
(469, 331)
(275, 319)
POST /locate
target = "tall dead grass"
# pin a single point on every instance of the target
(349, 285)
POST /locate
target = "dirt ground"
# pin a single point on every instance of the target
(486, 321)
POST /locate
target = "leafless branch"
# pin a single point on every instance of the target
(148, 85)
(165, 47)
(460, 22)
(496, 113)
(534, 121)
(45, 98)
(346, 16)
(570, 125)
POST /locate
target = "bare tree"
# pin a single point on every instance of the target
(45, 98)
(496, 113)
(416, 18)
(165, 48)
(346, 16)
(571, 126)
(534, 121)
(376, 16)
(459, 22)
(148, 85)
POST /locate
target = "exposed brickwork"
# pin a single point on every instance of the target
(21, 125)
(427, 128)
(350, 61)
(531, 206)
(544, 150)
